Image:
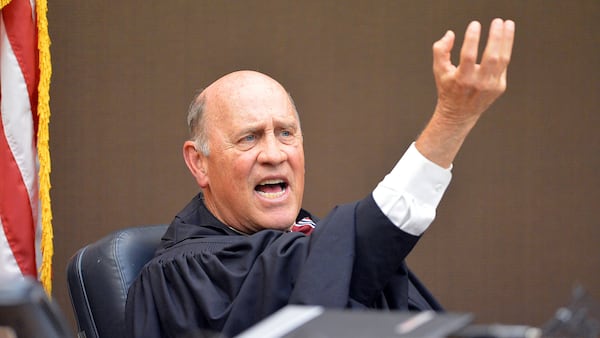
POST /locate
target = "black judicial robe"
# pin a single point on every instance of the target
(207, 276)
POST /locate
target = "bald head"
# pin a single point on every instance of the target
(236, 88)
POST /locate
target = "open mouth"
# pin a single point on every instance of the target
(272, 188)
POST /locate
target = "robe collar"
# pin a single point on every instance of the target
(196, 221)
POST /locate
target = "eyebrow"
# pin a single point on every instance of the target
(287, 123)
(278, 123)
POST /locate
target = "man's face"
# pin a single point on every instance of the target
(255, 169)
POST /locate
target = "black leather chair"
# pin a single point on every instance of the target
(100, 274)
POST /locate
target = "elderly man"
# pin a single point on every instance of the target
(233, 256)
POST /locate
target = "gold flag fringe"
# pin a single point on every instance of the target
(43, 148)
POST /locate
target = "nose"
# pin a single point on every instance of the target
(271, 151)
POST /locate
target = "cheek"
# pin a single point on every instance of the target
(296, 157)
(239, 169)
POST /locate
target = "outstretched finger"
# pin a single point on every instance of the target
(468, 52)
(493, 57)
(509, 38)
(441, 53)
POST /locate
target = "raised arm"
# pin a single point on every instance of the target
(467, 90)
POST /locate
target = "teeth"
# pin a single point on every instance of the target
(271, 182)
(272, 194)
(272, 188)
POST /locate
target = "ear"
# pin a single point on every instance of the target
(196, 163)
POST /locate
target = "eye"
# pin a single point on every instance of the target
(248, 138)
(246, 142)
(287, 136)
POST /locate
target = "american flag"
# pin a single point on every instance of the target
(25, 214)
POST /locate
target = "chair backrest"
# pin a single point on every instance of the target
(100, 274)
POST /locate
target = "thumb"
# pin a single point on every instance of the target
(441, 53)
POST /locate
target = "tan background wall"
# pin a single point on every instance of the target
(518, 226)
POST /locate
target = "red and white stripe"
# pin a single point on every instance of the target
(20, 220)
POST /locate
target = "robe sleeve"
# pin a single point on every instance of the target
(381, 249)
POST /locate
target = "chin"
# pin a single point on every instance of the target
(277, 216)
(279, 223)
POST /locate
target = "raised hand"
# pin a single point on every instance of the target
(467, 90)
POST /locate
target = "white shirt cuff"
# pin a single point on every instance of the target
(411, 192)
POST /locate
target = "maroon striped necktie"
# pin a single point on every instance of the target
(305, 225)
